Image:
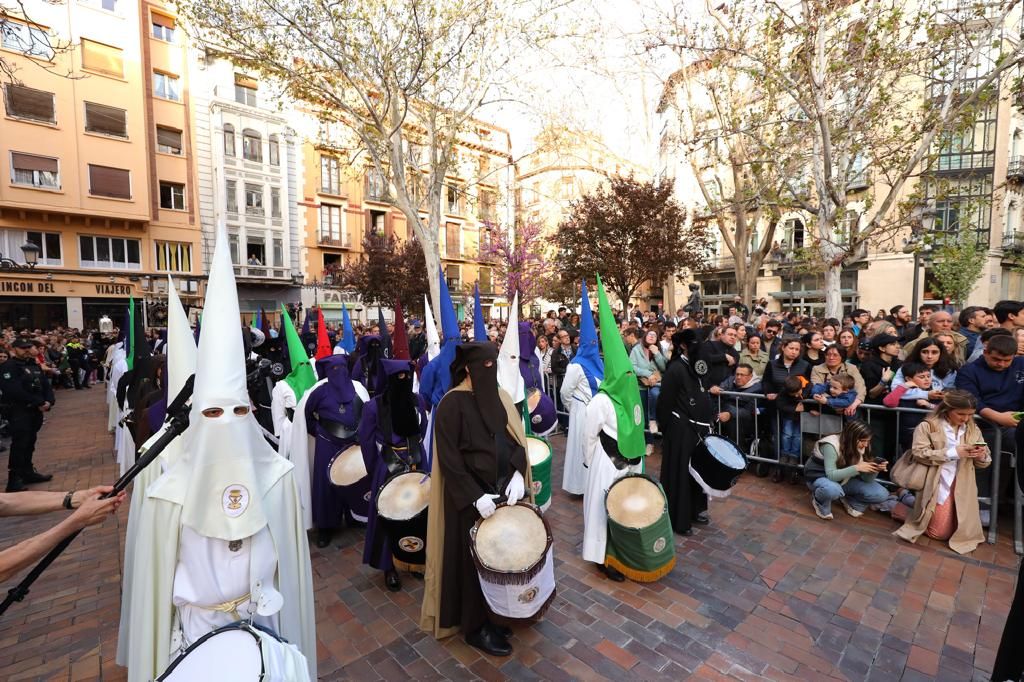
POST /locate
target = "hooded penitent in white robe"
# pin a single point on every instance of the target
(220, 535)
(181, 364)
(575, 393)
(601, 473)
(118, 367)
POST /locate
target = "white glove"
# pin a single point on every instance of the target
(485, 505)
(516, 488)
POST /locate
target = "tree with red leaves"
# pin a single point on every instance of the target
(630, 232)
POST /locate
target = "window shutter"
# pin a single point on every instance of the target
(161, 20)
(102, 58)
(168, 137)
(99, 118)
(246, 81)
(33, 163)
(109, 182)
(29, 103)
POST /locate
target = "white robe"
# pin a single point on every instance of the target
(156, 560)
(117, 369)
(601, 474)
(575, 394)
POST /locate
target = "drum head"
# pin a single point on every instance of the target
(512, 539)
(229, 654)
(404, 496)
(347, 467)
(635, 502)
(537, 450)
(725, 452)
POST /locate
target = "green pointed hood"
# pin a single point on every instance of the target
(619, 382)
(302, 377)
(129, 348)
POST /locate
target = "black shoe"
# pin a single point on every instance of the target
(687, 532)
(761, 469)
(323, 537)
(392, 581)
(15, 485)
(417, 575)
(612, 573)
(34, 476)
(794, 476)
(702, 518)
(489, 642)
(500, 630)
(776, 474)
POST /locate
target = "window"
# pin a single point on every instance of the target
(451, 273)
(275, 202)
(102, 58)
(330, 175)
(173, 256)
(168, 140)
(35, 171)
(163, 27)
(105, 181)
(233, 245)
(278, 253)
(34, 105)
(486, 199)
(253, 199)
(11, 242)
(231, 193)
(109, 252)
(332, 224)
(229, 139)
(172, 195)
(99, 118)
(376, 186)
(108, 5)
(274, 151)
(452, 197)
(252, 145)
(452, 239)
(484, 280)
(165, 85)
(30, 40)
(245, 90)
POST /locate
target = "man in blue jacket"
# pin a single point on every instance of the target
(996, 379)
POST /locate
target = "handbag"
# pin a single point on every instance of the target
(909, 473)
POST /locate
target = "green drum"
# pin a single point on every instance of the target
(538, 451)
(640, 541)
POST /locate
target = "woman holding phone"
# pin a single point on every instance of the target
(950, 444)
(843, 469)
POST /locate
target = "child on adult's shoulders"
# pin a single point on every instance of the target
(838, 393)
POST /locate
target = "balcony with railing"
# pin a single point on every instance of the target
(1015, 169)
(334, 240)
(859, 181)
(261, 272)
(1013, 242)
(376, 188)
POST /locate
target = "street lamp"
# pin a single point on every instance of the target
(922, 221)
(31, 252)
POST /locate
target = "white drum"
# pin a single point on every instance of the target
(238, 653)
(347, 467)
(513, 556)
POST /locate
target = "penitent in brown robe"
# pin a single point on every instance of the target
(465, 459)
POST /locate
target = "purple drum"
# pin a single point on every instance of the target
(543, 417)
(347, 471)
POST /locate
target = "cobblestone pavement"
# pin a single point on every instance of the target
(767, 591)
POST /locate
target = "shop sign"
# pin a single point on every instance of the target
(57, 287)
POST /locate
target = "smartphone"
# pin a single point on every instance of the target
(980, 444)
(880, 460)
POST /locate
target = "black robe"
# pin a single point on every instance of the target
(682, 398)
(468, 457)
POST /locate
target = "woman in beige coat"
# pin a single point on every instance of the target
(950, 444)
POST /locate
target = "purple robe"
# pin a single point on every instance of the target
(330, 503)
(377, 550)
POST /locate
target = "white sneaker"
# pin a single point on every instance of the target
(849, 509)
(650, 449)
(822, 514)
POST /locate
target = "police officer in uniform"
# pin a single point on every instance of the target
(28, 395)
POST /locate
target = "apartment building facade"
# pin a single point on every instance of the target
(250, 175)
(973, 177)
(96, 185)
(346, 202)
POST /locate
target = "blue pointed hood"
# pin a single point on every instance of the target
(449, 320)
(348, 338)
(588, 355)
(479, 328)
(436, 378)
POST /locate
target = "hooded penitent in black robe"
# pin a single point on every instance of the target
(476, 453)
(683, 400)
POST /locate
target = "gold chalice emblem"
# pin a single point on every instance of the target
(235, 496)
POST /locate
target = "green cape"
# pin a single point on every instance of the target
(303, 376)
(620, 383)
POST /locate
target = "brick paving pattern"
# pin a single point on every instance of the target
(767, 591)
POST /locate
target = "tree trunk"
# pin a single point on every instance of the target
(833, 290)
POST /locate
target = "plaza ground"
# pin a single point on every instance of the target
(767, 591)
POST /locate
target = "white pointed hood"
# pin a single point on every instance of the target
(181, 344)
(227, 466)
(509, 376)
(433, 338)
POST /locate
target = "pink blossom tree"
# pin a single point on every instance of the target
(518, 258)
